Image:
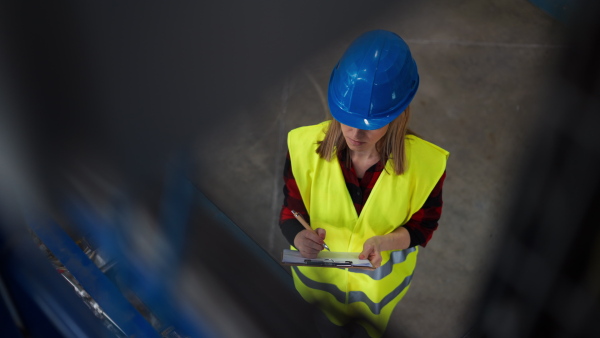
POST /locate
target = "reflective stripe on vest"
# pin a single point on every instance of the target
(393, 200)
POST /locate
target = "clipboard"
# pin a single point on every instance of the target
(326, 259)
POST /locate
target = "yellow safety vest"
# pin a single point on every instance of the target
(353, 294)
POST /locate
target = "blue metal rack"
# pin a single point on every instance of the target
(124, 294)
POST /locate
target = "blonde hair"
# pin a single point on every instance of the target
(390, 146)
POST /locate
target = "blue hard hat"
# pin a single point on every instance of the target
(373, 82)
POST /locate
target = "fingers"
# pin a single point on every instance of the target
(308, 243)
(321, 233)
(314, 238)
(367, 250)
(375, 260)
(371, 253)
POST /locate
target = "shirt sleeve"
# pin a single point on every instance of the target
(292, 200)
(424, 222)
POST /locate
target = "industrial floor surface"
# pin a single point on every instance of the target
(484, 67)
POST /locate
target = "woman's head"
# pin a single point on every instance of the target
(369, 93)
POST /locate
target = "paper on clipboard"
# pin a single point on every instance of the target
(339, 259)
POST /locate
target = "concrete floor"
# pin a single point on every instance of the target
(484, 66)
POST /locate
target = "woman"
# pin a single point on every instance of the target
(365, 183)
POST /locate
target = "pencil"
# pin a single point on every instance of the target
(301, 220)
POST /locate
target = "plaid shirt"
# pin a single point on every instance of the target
(421, 225)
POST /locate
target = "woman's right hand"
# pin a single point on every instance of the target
(310, 244)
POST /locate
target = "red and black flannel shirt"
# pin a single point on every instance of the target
(421, 225)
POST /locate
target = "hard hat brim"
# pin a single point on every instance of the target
(359, 121)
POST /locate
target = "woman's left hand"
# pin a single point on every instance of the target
(398, 239)
(372, 250)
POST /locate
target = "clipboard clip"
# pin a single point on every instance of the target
(327, 262)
